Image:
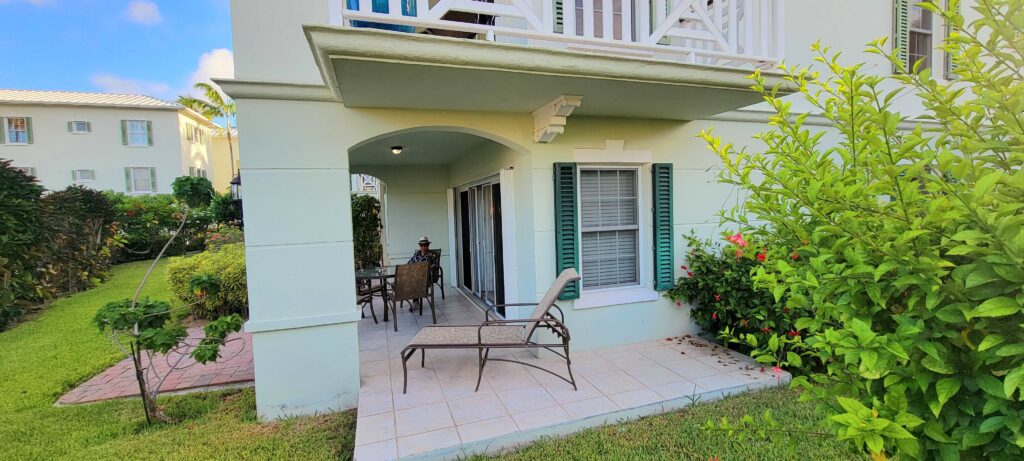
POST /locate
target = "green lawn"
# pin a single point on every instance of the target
(680, 435)
(44, 357)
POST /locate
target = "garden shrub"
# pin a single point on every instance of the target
(80, 235)
(194, 191)
(366, 228)
(21, 227)
(223, 235)
(224, 210)
(910, 242)
(228, 264)
(145, 224)
(724, 301)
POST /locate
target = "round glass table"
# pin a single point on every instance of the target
(369, 274)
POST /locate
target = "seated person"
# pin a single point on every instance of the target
(424, 254)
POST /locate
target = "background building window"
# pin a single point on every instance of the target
(83, 175)
(920, 43)
(141, 180)
(136, 133)
(17, 130)
(26, 169)
(609, 227)
(79, 127)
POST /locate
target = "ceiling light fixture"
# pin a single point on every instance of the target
(396, 150)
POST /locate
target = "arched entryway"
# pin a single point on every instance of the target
(459, 188)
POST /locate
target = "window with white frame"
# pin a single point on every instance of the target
(16, 129)
(197, 134)
(141, 180)
(26, 169)
(138, 132)
(609, 227)
(921, 36)
(83, 175)
(79, 127)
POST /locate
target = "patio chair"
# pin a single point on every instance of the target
(437, 272)
(500, 334)
(412, 284)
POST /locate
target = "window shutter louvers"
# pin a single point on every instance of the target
(127, 179)
(28, 129)
(152, 180)
(149, 132)
(567, 252)
(950, 30)
(88, 127)
(3, 130)
(124, 132)
(71, 126)
(901, 32)
(664, 243)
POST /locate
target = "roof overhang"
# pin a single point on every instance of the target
(366, 68)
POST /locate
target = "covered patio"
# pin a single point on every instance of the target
(441, 417)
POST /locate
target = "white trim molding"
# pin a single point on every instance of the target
(260, 326)
(614, 297)
(614, 152)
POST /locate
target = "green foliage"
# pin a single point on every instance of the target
(188, 274)
(223, 235)
(366, 228)
(21, 228)
(194, 191)
(911, 243)
(145, 224)
(224, 210)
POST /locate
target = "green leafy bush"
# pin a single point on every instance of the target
(21, 228)
(912, 244)
(724, 301)
(224, 210)
(366, 227)
(228, 264)
(223, 235)
(194, 191)
(75, 254)
(145, 224)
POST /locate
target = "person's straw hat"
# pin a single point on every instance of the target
(423, 240)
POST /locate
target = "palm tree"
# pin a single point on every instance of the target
(211, 106)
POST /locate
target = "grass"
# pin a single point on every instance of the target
(680, 435)
(48, 355)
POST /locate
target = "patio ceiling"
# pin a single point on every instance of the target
(418, 148)
(373, 68)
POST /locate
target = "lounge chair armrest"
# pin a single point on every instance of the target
(515, 304)
(552, 322)
(561, 315)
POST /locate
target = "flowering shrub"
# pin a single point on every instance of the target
(910, 243)
(223, 235)
(725, 302)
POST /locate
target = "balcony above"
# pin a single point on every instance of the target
(670, 59)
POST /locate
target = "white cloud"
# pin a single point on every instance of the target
(143, 12)
(110, 83)
(217, 63)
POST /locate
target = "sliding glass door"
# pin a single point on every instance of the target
(480, 242)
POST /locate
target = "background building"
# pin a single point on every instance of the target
(128, 143)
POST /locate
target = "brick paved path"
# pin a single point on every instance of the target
(235, 367)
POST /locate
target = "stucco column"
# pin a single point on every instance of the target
(299, 258)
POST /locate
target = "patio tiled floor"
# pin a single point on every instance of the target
(442, 416)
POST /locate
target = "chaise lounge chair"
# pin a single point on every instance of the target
(500, 334)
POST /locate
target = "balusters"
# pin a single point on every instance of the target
(732, 38)
(748, 26)
(607, 14)
(395, 7)
(627, 20)
(588, 18)
(569, 17)
(365, 6)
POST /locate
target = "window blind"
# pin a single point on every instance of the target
(609, 227)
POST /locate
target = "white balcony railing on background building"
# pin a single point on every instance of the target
(715, 32)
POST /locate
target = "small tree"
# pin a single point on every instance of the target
(144, 328)
(366, 230)
(911, 239)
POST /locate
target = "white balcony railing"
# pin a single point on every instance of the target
(715, 32)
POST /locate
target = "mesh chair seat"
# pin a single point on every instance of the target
(468, 335)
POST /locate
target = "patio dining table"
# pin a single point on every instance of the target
(384, 273)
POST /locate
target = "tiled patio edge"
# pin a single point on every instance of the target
(508, 441)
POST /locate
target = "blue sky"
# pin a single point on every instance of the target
(155, 47)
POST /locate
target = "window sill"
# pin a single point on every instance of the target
(615, 297)
(15, 144)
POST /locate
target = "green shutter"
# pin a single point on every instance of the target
(88, 127)
(152, 180)
(664, 244)
(559, 16)
(567, 242)
(28, 129)
(901, 32)
(71, 127)
(3, 130)
(124, 133)
(950, 29)
(127, 177)
(149, 132)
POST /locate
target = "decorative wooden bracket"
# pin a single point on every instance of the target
(549, 120)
